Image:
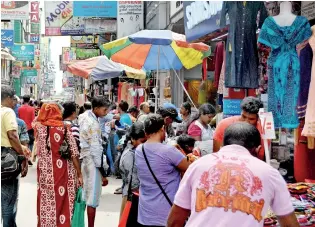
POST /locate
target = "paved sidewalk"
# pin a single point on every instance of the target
(107, 213)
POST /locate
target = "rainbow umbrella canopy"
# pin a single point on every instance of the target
(156, 50)
(100, 68)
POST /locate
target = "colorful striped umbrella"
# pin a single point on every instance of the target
(100, 68)
(156, 50)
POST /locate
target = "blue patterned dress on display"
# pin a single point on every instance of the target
(284, 68)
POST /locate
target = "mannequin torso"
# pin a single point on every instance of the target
(285, 17)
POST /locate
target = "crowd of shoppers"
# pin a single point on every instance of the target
(184, 171)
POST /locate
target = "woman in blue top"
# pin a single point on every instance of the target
(124, 116)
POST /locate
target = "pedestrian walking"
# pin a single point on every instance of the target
(93, 163)
(58, 171)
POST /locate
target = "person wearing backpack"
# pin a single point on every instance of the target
(13, 160)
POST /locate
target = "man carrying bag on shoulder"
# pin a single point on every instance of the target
(13, 160)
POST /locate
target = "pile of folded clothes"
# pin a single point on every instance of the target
(303, 200)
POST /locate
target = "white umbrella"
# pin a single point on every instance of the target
(6, 55)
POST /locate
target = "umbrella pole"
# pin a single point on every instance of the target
(157, 80)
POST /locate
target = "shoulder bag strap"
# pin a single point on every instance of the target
(130, 182)
(156, 180)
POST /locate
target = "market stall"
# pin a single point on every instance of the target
(303, 200)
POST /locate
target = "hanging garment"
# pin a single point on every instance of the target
(263, 53)
(241, 66)
(284, 68)
(309, 127)
(306, 56)
(218, 62)
(222, 76)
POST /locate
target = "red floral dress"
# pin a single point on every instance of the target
(56, 178)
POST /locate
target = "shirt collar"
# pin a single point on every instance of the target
(92, 115)
(235, 149)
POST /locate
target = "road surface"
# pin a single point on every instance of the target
(107, 213)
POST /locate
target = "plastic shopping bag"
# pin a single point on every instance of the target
(79, 210)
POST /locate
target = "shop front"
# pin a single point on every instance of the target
(265, 50)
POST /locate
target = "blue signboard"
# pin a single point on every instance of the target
(201, 18)
(95, 9)
(232, 106)
(7, 39)
(23, 52)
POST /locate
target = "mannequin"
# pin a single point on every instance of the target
(285, 17)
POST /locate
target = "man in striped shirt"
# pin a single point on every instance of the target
(69, 117)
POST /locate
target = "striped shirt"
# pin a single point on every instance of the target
(75, 131)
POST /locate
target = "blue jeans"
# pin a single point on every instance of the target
(9, 198)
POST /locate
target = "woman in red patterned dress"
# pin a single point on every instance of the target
(57, 178)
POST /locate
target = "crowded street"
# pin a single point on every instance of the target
(157, 113)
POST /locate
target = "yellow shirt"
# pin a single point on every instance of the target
(8, 123)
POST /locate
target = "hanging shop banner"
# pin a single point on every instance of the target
(99, 25)
(201, 18)
(308, 9)
(7, 38)
(130, 17)
(35, 28)
(15, 10)
(59, 19)
(232, 106)
(82, 54)
(23, 52)
(106, 9)
(34, 38)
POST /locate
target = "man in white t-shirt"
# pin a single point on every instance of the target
(232, 187)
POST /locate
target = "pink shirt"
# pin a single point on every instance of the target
(232, 187)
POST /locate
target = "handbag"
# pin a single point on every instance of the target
(129, 217)
(64, 149)
(79, 210)
(156, 180)
(10, 163)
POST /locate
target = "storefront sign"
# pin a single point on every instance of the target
(68, 54)
(34, 38)
(7, 38)
(95, 9)
(175, 7)
(308, 9)
(16, 69)
(23, 52)
(99, 26)
(232, 106)
(30, 76)
(82, 54)
(130, 18)
(83, 39)
(34, 15)
(59, 19)
(201, 18)
(15, 10)
(35, 28)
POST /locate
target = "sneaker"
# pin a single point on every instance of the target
(118, 191)
(30, 163)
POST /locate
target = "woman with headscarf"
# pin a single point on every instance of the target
(57, 178)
